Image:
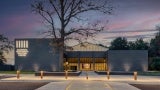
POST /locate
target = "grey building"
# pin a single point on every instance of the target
(128, 60)
(38, 54)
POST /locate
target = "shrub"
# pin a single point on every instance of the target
(155, 63)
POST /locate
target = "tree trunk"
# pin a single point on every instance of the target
(61, 58)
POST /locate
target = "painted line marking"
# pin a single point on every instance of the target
(68, 86)
(108, 85)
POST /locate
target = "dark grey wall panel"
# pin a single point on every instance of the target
(100, 54)
(70, 54)
(81, 54)
(86, 54)
(128, 60)
(41, 56)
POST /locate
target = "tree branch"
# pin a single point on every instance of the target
(53, 5)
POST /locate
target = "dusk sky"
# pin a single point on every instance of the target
(131, 18)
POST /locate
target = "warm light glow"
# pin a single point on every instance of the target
(41, 74)
(135, 75)
(18, 74)
(22, 52)
(22, 47)
(26, 44)
(22, 44)
(86, 66)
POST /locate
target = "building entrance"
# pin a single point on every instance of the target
(93, 64)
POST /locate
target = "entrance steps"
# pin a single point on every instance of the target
(91, 76)
(90, 73)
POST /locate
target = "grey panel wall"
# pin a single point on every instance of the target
(81, 54)
(41, 56)
(128, 60)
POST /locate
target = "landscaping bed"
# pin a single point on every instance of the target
(150, 73)
(114, 73)
(14, 72)
(77, 73)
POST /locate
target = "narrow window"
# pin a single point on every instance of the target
(21, 43)
(26, 43)
(19, 46)
(16, 44)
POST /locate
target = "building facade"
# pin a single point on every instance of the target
(38, 54)
(128, 60)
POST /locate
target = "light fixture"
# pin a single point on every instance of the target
(22, 52)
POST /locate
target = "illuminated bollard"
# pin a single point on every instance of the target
(41, 72)
(108, 75)
(135, 75)
(18, 74)
(86, 75)
(66, 74)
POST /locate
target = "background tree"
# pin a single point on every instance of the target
(61, 15)
(139, 44)
(132, 45)
(119, 43)
(5, 46)
(154, 49)
(154, 64)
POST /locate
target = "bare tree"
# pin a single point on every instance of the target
(59, 15)
(5, 46)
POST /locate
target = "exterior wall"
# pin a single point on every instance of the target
(81, 54)
(5, 67)
(40, 55)
(88, 47)
(128, 60)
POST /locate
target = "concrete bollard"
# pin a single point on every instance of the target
(135, 75)
(41, 74)
(18, 74)
(66, 74)
(86, 75)
(108, 75)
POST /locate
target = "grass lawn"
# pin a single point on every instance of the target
(150, 73)
(14, 72)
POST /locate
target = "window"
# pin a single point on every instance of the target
(22, 47)
(22, 44)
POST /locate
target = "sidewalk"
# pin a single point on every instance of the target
(61, 85)
(116, 82)
(87, 85)
(115, 78)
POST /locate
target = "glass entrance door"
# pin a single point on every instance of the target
(95, 64)
(86, 61)
(100, 64)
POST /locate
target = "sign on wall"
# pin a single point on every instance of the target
(22, 47)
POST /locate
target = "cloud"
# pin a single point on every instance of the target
(20, 25)
(107, 36)
(135, 34)
(119, 25)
